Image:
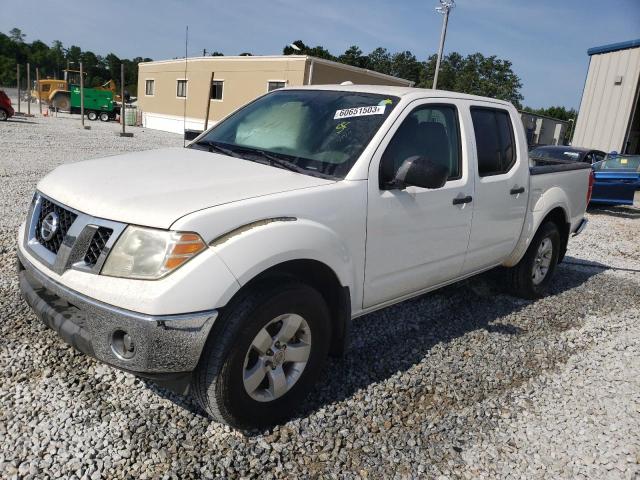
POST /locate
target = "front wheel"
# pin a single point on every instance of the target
(530, 278)
(3, 115)
(263, 355)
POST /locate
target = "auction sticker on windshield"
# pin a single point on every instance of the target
(360, 111)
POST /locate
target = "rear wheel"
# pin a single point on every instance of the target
(104, 117)
(530, 278)
(93, 116)
(263, 355)
(3, 115)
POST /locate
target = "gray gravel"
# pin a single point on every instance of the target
(464, 383)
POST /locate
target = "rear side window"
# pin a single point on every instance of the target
(495, 142)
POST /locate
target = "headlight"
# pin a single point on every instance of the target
(146, 253)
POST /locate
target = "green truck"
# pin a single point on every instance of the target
(97, 103)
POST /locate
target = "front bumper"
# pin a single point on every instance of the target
(165, 348)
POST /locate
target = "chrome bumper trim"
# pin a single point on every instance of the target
(164, 343)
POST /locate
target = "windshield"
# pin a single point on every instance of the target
(619, 162)
(316, 132)
(555, 154)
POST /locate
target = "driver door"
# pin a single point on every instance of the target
(417, 238)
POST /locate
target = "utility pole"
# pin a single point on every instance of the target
(38, 89)
(28, 89)
(444, 8)
(86, 127)
(18, 82)
(123, 115)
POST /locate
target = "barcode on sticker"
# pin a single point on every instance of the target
(359, 111)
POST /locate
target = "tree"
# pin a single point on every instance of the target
(16, 35)
(380, 61)
(353, 56)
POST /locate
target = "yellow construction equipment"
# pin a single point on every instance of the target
(57, 92)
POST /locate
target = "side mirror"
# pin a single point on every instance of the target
(421, 172)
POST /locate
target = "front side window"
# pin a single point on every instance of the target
(276, 85)
(430, 131)
(216, 89)
(316, 132)
(181, 89)
(149, 87)
(495, 142)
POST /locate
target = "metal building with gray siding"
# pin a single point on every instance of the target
(609, 116)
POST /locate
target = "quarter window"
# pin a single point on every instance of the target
(495, 142)
(276, 85)
(181, 90)
(216, 89)
(430, 131)
(149, 87)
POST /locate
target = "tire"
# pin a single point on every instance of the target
(530, 278)
(3, 115)
(223, 383)
(93, 116)
(104, 117)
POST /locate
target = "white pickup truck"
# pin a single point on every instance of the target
(233, 267)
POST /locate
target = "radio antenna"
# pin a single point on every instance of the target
(186, 89)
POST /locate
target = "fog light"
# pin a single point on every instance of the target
(122, 344)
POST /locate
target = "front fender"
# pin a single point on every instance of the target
(249, 251)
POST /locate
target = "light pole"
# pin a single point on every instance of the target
(444, 8)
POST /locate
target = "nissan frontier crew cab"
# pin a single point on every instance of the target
(231, 268)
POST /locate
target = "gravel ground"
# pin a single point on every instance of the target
(464, 383)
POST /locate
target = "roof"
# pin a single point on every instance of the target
(532, 114)
(249, 58)
(614, 47)
(399, 92)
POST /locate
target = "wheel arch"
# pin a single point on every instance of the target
(324, 279)
(557, 213)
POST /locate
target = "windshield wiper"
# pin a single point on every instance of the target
(218, 148)
(276, 161)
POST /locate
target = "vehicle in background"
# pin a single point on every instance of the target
(231, 268)
(6, 110)
(97, 103)
(566, 153)
(617, 178)
(57, 93)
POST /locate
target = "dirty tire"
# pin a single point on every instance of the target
(93, 116)
(3, 115)
(104, 117)
(520, 279)
(217, 383)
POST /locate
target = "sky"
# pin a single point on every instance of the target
(546, 41)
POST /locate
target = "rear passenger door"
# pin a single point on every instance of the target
(501, 180)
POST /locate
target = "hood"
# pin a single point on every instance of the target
(156, 187)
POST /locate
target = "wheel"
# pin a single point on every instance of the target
(3, 115)
(104, 116)
(263, 355)
(530, 278)
(61, 101)
(93, 116)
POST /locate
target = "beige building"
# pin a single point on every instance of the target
(543, 130)
(609, 117)
(173, 95)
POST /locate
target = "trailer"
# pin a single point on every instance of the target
(98, 103)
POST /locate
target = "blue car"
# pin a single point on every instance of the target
(617, 178)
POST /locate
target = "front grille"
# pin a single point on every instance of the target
(99, 240)
(65, 219)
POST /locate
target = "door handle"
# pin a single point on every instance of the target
(516, 190)
(461, 200)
